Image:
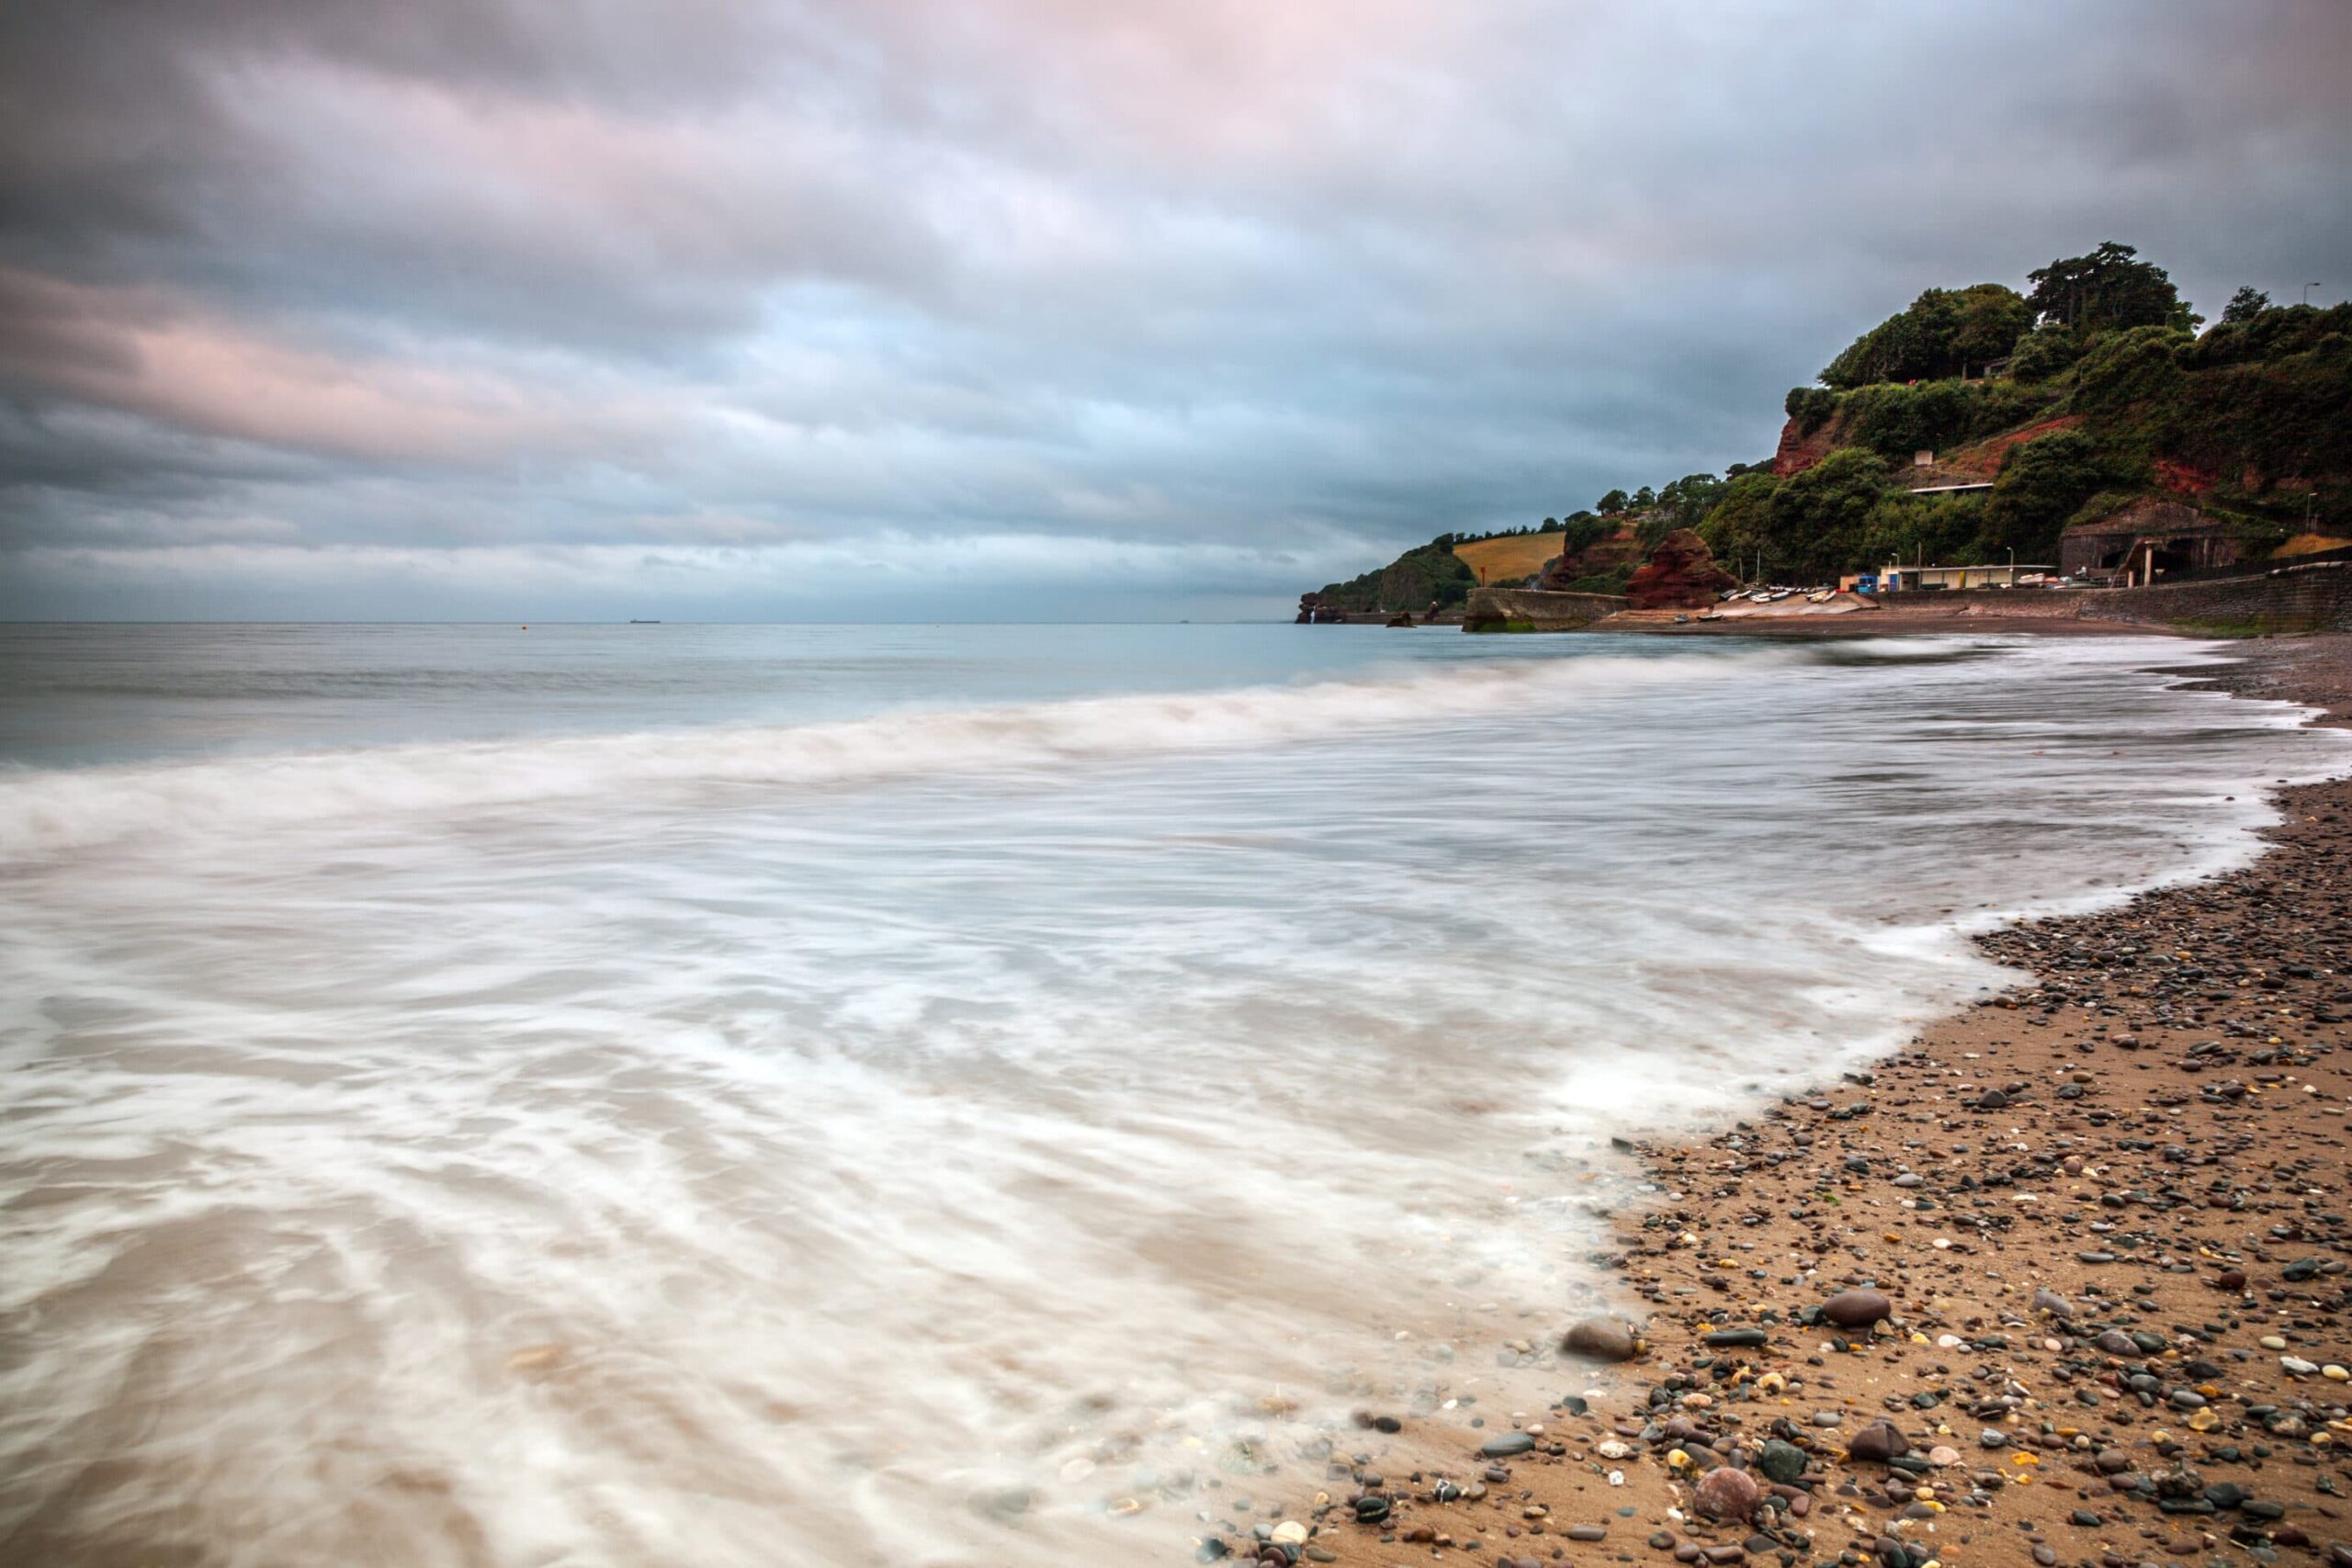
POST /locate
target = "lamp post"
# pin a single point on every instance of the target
(2307, 291)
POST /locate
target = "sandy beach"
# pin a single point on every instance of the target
(2063, 1283)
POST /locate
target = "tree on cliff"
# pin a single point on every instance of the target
(1615, 501)
(2245, 306)
(2108, 290)
(1431, 574)
(1945, 332)
(1818, 523)
(1740, 523)
(1582, 531)
(2041, 483)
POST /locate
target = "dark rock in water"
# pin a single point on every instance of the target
(1681, 574)
(1601, 1339)
(1728, 1494)
(1878, 1442)
(1857, 1309)
(1507, 1446)
(1372, 1510)
(1780, 1462)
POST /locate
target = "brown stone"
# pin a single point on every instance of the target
(1681, 574)
(1857, 1309)
(1728, 1494)
(1601, 1339)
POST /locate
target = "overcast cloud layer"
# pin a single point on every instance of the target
(1034, 309)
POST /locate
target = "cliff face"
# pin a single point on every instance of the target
(1800, 450)
(1681, 574)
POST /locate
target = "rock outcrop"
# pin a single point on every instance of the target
(1801, 446)
(1619, 548)
(1681, 574)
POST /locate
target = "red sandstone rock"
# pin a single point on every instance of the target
(1797, 453)
(1681, 574)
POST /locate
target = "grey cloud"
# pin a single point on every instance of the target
(474, 275)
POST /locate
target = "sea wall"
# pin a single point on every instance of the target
(1533, 610)
(2317, 597)
(2010, 604)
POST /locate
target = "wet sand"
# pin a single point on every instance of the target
(2107, 1213)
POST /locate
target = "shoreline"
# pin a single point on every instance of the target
(2104, 1215)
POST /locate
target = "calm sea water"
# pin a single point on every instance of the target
(640, 1095)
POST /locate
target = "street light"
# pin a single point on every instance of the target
(2307, 291)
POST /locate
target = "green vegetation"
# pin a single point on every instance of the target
(1896, 421)
(2077, 398)
(1420, 578)
(2108, 291)
(2249, 415)
(1946, 333)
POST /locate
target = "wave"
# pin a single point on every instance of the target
(43, 813)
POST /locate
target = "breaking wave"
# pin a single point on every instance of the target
(47, 813)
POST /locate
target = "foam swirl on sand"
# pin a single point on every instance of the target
(955, 1136)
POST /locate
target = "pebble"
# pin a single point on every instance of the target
(1602, 1340)
(1507, 1446)
(1728, 1493)
(1878, 1442)
(1857, 1309)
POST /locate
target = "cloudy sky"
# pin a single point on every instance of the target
(1019, 309)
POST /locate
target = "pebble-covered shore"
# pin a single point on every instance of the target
(2065, 1282)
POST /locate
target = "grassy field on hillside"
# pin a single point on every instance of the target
(1503, 560)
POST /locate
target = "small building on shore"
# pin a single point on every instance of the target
(1912, 579)
(2141, 543)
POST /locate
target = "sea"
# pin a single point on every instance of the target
(642, 1095)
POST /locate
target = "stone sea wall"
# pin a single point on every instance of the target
(1533, 610)
(2290, 599)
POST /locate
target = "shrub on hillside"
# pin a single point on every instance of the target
(2124, 370)
(1895, 422)
(2043, 354)
(1414, 581)
(1817, 524)
(1937, 529)
(1809, 407)
(1739, 524)
(1945, 332)
(2042, 484)
(2267, 334)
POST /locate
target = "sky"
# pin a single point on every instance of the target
(1031, 310)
